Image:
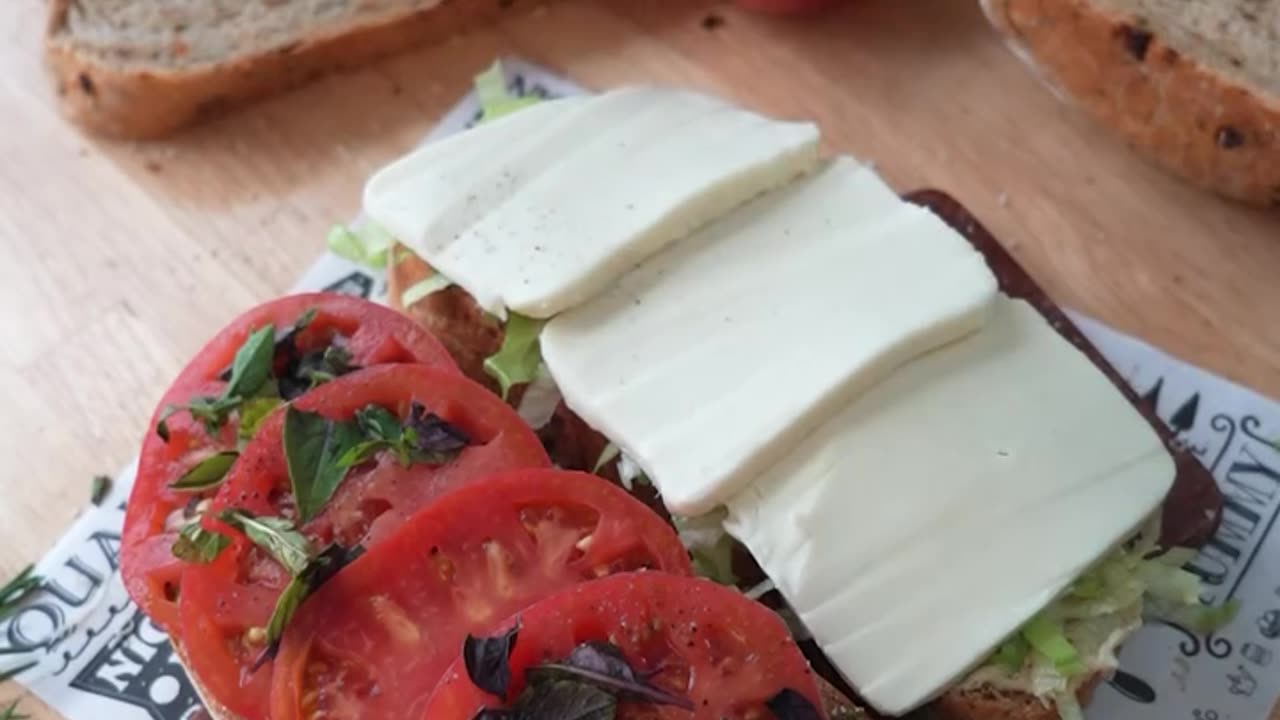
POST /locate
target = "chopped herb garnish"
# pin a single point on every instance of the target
(99, 489)
(424, 437)
(487, 660)
(198, 545)
(313, 444)
(206, 474)
(313, 368)
(791, 705)
(252, 365)
(317, 571)
(277, 535)
(517, 361)
(17, 589)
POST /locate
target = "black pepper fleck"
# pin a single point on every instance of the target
(1229, 138)
(712, 21)
(86, 84)
(1136, 41)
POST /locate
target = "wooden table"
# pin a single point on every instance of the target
(118, 259)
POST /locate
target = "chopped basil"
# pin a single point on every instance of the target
(276, 535)
(517, 361)
(99, 489)
(487, 663)
(423, 438)
(198, 545)
(565, 700)
(312, 368)
(601, 664)
(252, 365)
(791, 705)
(313, 444)
(206, 474)
(316, 572)
(17, 589)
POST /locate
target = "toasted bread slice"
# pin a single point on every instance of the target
(1195, 86)
(143, 68)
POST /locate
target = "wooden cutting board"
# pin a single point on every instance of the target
(118, 259)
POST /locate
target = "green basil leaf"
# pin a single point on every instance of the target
(206, 474)
(517, 361)
(276, 535)
(362, 452)
(212, 411)
(317, 572)
(198, 545)
(379, 423)
(252, 365)
(313, 444)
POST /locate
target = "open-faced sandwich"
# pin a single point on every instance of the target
(666, 340)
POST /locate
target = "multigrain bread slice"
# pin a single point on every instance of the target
(1193, 85)
(143, 68)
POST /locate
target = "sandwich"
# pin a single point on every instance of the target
(646, 336)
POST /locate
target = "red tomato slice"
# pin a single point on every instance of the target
(705, 642)
(374, 335)
(374, 640)
(222, 601)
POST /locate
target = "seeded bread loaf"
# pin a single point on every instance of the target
(1193, 85)
(143, 68)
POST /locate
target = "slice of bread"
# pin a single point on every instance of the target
(1193, 85)
(143, 68)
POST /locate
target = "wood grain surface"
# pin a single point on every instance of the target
(117, 260)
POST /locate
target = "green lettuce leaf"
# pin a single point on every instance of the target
(367, 245)
(517, 361)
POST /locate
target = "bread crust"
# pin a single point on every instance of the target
(138, 102)
(987, 703)
(1211, 130)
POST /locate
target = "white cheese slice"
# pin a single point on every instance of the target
(714, 357)
(539, 210)
(934, 515)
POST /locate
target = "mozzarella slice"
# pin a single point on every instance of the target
(936, 514)
(539, 210)
(711, 359)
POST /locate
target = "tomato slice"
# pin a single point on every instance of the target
(691, 637)
(374, 640)
(370, 333)
(223, 602)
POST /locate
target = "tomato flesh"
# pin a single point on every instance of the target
(226, 603)
(691, 637)
(373, 335)
(374, 640)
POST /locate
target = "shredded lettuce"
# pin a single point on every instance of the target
(518, 359)
(368, 245)
(1054, 652)
(415, 292)
(495, 99)
(710, 547)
